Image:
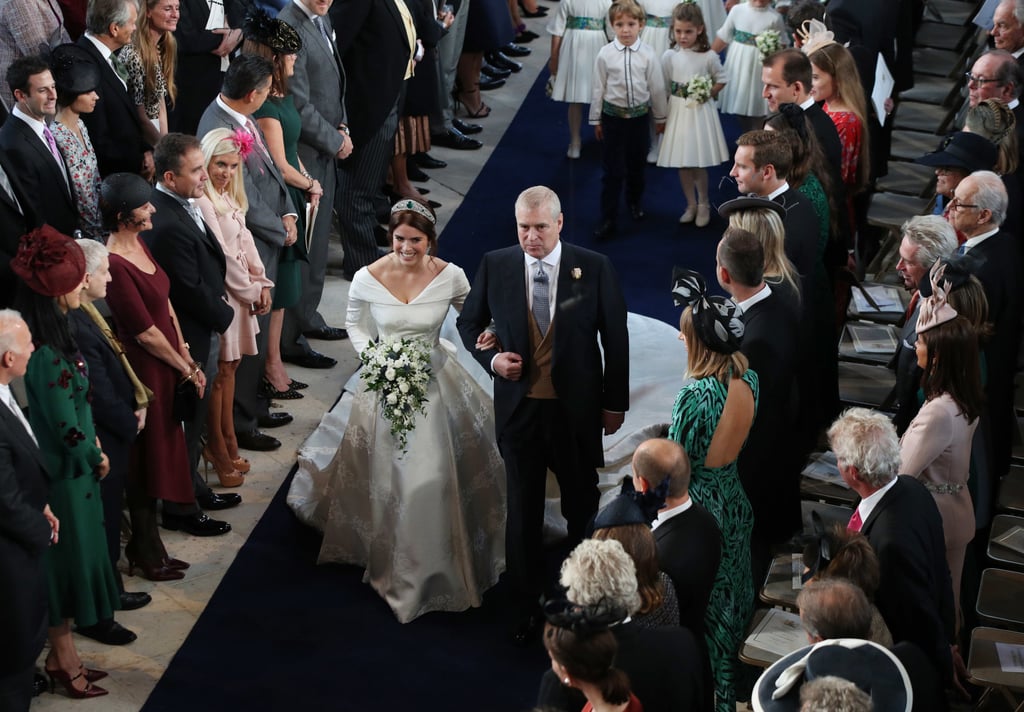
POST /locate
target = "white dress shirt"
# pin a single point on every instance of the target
(551, 263)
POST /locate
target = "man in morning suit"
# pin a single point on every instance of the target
(30, 148)
(1007, 31)
(551, 303)
(377, 42)
(114, 126)
(27, 527)
(687, 536)
(318, 88)
(16, 218)
(271, 219)
(769, 464)
(993, 255)
(188, 251)
(899, 518)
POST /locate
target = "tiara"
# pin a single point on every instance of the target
(815, 35)
(414, 206)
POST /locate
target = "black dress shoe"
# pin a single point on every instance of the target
(425, 160)
(541, 11)
(310, 359)
(637, 212)
(195, 524)
(528, 629)
(326, 333)
(487, 84)
(39, 684)
(524, 36)
(464, 127)
(495, 72)
(108, 632)
(452, 138)
(514, 50)
(606, 230)
(136, 599)
(414, 173)
(274, 420)
(500, 60)
(215, 500)
(255, 440)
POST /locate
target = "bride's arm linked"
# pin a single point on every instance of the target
(358, 320)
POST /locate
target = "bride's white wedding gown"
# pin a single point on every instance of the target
(428, 524)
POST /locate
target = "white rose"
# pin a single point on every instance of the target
(392, 398)
(390, 374)
(403, 387)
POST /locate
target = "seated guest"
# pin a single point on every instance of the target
(686, 535)
(958, 155)
(663, 664)
(29, 527)
(903, 525)
(994, 120)
(626, 519)
(833, 694)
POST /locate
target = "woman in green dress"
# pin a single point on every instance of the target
(80, 576)
(711, 419)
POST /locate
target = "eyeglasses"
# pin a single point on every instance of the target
(971, 79)
(955, 204)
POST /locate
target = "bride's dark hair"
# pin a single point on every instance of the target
(414, 220)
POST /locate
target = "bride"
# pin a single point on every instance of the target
(426, 520)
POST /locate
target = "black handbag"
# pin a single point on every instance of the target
(186, 401)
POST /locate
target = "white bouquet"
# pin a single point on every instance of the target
(398, 370)
(698, 90)
(768, 43)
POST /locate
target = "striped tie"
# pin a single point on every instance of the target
(541, 308)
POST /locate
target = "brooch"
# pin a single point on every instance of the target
(577, 273)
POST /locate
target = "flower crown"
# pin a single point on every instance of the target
(243, 141)
(413, 206)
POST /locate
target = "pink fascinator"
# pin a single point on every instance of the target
(934, 309)
(243, 140)
(814, 35)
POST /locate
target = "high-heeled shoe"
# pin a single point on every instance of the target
(299, 385)
(460, 97)
(92, 675)
(68, 683)
(538, 11)
(175, 564)
(231, 478)
(268, 391)
(242, 465)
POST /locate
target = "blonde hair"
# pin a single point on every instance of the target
(220, 142)
(702, 362)
(767, 227)
(161, 54)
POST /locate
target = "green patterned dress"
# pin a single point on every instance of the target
(695, 417)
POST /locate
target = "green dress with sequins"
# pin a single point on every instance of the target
(695, 417)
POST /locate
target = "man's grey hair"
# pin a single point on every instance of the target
(867, 440)
(101, 14)
(1018, 9)
(933, 236)
(990, 194)
(833, 694)
(94, 251)
(9, 322)
(539, 196)
(601, 573)
(834, 608)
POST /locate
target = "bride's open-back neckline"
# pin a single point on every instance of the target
(418, 294)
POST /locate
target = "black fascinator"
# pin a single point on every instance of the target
(582, 620)
(276, 34)
(715, 319)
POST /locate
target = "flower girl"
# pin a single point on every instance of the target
(693, 134)
(754, 31)
(578, 32)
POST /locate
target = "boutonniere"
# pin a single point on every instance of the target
(577, 273)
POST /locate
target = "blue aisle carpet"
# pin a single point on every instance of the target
(281, 633)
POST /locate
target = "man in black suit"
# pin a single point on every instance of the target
(16, 218)
(997, 75)
(187, 250)
(1007, 31)
(901, 521)
(687, 536)
(977, 211)
(770, 464)
(27, 527)
(30, 148)
(114, 126)
(551, 303)
(377, 47)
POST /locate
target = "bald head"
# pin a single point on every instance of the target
(658, 458)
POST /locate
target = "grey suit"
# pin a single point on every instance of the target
(269, 201)
(318, 89)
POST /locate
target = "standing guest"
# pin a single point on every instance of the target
(115, 127)
(302, 266)
(119, 401)
(82, 585)
(150, 59)
(377, 42)
(272, 219)
(16, 217)
(30, 147)
(937, 445)
(904, 527)
(137, 297)
(763, 219)
(77, 78)
(207, 33)
(628, 84)
(223, 206)
(29, 526)
(26, 28)
(721, 400)
(445, 128)
(550, 303)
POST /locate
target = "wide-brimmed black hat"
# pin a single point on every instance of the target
(750, 202)
(967, 151)
(276, 34)
(869, 666)
(125, 191)
(73, 70)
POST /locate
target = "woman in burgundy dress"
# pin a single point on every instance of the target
(148, 329)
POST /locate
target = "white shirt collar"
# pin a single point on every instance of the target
(868, 504)
(1014, 103)
(104, 51)
(978, 239)
(778, 191)
(242, 119)
(1018, 53)
(807, 103)
(632, 48)
(167, 191)
(761, 295)
(551, 259)
(36, 125)
(666, 514)
(305, 10)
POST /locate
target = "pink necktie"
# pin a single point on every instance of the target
(855, 522)
(52, 143)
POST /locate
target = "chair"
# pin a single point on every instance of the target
(1000, 596)
(1004, 555)
(985, 670)
(1011, 491)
